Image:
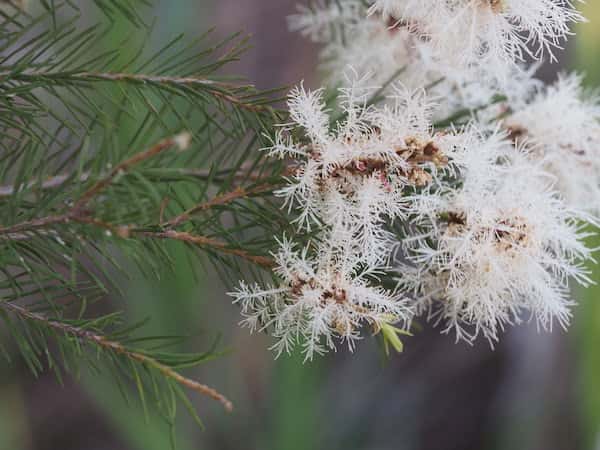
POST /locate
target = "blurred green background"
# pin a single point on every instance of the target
(535, 391)
(587, 340)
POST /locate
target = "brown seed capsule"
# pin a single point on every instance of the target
(496, 5)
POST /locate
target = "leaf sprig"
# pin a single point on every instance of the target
(96, 174)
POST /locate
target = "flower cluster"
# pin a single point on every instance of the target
(354, 177)
(496, 33)
(391, 43)
(505, 245)
(477, 218)
(320, 297)
(560, 127)
(346, 182)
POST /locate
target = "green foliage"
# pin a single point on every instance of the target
(107, 157)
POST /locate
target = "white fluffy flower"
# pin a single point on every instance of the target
(505, 247)
(319, 300)
(379, 49)
(392, 50)
(323, 21)
(489, 33)
(561, 128)
(354, 177)
(486, 240)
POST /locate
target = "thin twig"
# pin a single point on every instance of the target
(222, 199)
(60, 180)
(182, 141)
(203, 241)
(161, 79)
(79, 214)
(117, 347)
(50, 183)
(31, 225)
(184, 81)
(226, 92)
(128, 232)
(25, 230)
(76, 212)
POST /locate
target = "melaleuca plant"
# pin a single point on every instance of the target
(106, 157)
(431, 177)
(447, 183)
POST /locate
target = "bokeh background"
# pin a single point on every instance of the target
(533, 392)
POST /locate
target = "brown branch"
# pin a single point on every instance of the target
(182, 141)
(128, 232)
(60, 180)
(50, 183)
(35, 224)
(225, 91)
(78, 213)
(222, 199)
(203, 241)
(225, 94)
(160, 79)
(23, 230)
(104, 342)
